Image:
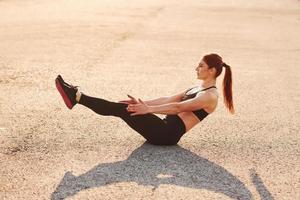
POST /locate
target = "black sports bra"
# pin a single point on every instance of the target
(201, 113)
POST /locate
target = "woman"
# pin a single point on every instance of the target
(183, 110)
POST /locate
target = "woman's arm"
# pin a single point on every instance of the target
(173, 105)
(167, 109)
(201, 101)
(158, 101)
(166, 100)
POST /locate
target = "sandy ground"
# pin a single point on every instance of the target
(148, 49)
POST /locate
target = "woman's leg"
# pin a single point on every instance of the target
(155, 130)
(150, 126)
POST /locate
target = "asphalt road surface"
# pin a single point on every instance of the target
(148, 49)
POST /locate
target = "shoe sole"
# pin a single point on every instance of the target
(63, 94)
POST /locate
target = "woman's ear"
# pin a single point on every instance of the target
(212, 71)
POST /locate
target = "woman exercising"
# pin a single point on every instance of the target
(183, 110)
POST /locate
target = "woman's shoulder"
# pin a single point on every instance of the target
(210, 93)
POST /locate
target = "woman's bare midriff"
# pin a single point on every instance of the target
(190, 120)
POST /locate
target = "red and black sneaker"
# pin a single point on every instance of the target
(67, 91)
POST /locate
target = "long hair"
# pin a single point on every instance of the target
(214, 60)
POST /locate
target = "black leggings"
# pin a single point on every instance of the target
(155, 130)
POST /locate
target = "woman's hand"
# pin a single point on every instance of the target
(140, 108)
(132, 100)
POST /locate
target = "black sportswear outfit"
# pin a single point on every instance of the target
(155, 130)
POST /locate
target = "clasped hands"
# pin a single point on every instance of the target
(137, 107)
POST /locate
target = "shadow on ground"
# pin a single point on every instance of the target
(155, 165)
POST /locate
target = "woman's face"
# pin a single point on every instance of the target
(202, 70)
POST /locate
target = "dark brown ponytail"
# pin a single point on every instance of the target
(227, 88)
(214, 60)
